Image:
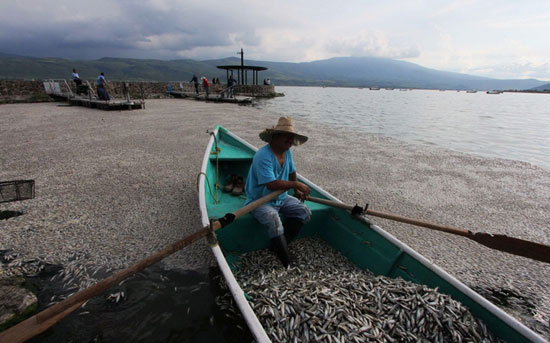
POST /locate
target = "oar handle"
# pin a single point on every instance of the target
(329, 203)
(449, 229)
(257, 203)
(516, 246)
(230, 217)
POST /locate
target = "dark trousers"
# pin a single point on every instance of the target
(78, 83)
(102, 94)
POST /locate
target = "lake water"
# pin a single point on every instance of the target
(513, 126)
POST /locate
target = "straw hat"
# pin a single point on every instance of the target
(285, 125)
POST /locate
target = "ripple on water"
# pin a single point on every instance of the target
(454, 120)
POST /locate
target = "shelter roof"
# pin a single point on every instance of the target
(240, 67)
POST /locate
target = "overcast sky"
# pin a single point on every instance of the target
(494, 38)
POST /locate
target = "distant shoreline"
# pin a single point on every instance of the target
(336, 71)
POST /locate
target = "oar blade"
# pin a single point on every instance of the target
(516, 246)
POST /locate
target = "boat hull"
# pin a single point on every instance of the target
(364, 244)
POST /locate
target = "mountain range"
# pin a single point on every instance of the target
(338, 71)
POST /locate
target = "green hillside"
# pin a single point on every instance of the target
(340, 71)
(114, 69)
(543, 88)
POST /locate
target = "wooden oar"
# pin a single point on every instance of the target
(43, 320)
(516, 246)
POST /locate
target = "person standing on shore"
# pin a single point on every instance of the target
(77, 81)
(101, 86)
(76, 78)
(206, 85)
(195, 81)
(273, 169)
(230, 85)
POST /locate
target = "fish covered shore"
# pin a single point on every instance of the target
(114, 187)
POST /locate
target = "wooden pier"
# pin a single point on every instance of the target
(85, 96)
(213, 98)
(111, 105)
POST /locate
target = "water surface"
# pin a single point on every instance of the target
(158, 306)
(512, 126)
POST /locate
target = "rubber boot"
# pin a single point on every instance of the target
(279, 246)
(292, 227)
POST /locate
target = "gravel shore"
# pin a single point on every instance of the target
(113, 187)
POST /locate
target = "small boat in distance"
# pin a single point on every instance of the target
(494, 92)
(374, 88)
(361, 242)
(471, 91)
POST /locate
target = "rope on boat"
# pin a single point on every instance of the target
(217, 186)
(214, 194)
(217, 152)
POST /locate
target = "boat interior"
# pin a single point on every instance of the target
(365, 245)
(352, 237)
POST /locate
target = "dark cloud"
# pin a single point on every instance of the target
(137, 29)
(289, 31)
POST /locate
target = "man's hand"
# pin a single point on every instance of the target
(299, 195)
(301, 190)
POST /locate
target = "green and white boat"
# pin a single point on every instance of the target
(227, 154)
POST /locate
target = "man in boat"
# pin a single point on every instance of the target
(273, 169)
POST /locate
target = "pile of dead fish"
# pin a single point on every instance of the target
(325, 298)
(12, 265)
(72, 277)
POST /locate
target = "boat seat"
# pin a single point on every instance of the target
(230, 152)
(229, 203)
(247, 234)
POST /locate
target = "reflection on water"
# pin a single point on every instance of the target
(158, 306)
(510, 125)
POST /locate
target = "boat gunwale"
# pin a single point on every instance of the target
(493, 309)
(250, 317)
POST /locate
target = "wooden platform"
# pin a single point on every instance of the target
(112, 105)
(213, 98)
